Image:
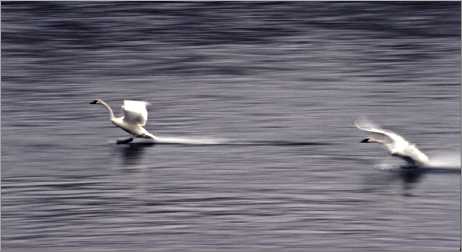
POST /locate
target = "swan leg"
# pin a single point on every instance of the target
(125, 141)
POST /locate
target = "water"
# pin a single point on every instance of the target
(283, 81)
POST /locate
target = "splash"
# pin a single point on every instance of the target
(445, 160)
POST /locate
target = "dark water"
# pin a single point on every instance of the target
(286, 80)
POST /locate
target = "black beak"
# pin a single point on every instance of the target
(366, 140)
(94, 102)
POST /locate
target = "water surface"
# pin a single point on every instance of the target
(283, 80)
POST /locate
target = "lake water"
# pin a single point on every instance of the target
(283, 82)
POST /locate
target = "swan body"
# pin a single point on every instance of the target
(394, 143)
(135, 116)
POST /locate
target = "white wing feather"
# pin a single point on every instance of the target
(135, 112)
(377, 133)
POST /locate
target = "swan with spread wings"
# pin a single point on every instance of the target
(394, 143)
(133, 119)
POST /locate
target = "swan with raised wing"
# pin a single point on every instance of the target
(133, 119)
(394, 143)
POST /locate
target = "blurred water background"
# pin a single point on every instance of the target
(287, 79)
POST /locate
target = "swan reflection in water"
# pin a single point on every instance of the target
(132, 153)
(408, 176)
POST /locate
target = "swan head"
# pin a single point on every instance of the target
(97, 101)
(366, 140)
(370, 140)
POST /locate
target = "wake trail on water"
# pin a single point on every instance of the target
(199, 141)
(445, 160)
(190, 140)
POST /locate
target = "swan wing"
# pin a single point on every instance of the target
(135, 112)
(377, 133)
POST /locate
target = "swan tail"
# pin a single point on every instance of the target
(414, 156)
(418, 156)
(147, 135)
(150, 136)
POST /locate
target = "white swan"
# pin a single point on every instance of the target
(133, 120)
(395, 144)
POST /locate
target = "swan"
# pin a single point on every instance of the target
(133, 120)
(394, 143)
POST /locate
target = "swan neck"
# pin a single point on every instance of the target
(108, 108)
